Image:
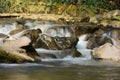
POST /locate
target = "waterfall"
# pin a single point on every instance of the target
(61, 31)
(82, 44)
(114, 39)
(7, 28)
(38, 24)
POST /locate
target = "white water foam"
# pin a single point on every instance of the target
(7, 28)
(82, 44)
(86, 55)
(24, 65)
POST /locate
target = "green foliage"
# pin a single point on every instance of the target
(97, 3)
(118, 18)
(27, 6)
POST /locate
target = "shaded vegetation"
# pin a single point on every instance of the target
(71, 7)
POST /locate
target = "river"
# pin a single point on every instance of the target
(68, 68)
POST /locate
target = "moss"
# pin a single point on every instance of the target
(8, 57)
(118, 18)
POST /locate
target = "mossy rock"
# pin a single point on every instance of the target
(13, 57)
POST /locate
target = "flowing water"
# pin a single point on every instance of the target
(68, 68)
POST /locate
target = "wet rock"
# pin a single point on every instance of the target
(69, 52)
(107, 51)
(57, 43)
(18, 50)
(13, 57)
(84, 28)
(75, 53)
(98, 38)
(17, 30)
(33, 34)
(47, 55)
(3, 35)
(21, 21)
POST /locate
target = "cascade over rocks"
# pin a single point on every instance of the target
(98, 38)
(17, 50)
(17, 30)
(59, 53)
(75, 30)
(107, 51)
(104, 35)
(59, 43)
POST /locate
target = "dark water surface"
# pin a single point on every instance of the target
(60, 70)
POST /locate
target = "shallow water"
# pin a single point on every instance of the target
(61, 70)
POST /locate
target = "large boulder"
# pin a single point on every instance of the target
(17, 50)
(107, 51)
(56, 43)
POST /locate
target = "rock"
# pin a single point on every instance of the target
(98, 38)
(113, 23)
(33, 34)
(96, 19)
(107, 51)
(47, 55)
(17, 50)
(17, 30)
(75, 53)
(21, 21)
(112, 14)
(115, 36)
(107, 19)
(14, 57)
(84, 28)
(3, 35)
(57, 43)
(69, 52)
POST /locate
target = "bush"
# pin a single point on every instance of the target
(20, 6)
